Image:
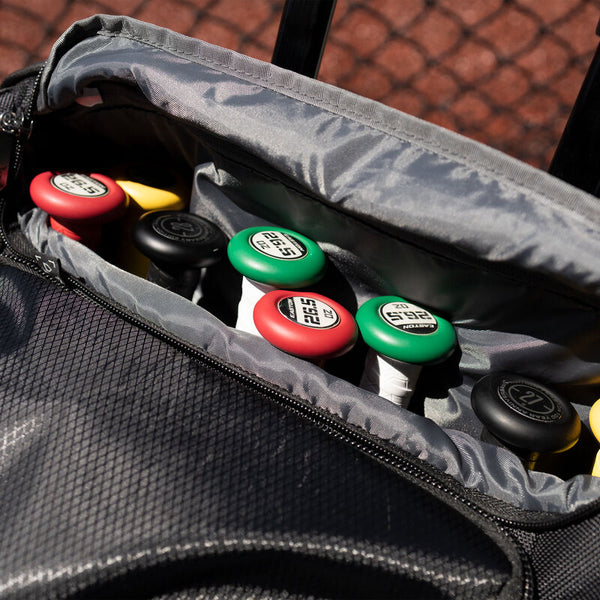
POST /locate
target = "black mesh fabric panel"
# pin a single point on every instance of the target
(129, 469)
(566, 560)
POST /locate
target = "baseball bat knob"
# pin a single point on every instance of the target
(79, 203)
(305, 324)
(524, 416)
(402, 337)
(179, 245)
(594, 417)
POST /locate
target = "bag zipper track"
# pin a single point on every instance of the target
(342, 431)
(18, 123)
(357, 439)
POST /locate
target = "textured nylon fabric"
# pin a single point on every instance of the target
(128, 469)
(565, 561)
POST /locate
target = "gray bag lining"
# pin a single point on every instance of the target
(399, 205)
(486, 468)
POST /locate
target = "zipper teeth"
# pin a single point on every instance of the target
(333, 427)
(344, 432)
(313, 415)
(355, 438)
(27, 120)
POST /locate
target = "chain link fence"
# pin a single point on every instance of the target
(504, 72)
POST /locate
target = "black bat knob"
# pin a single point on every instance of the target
(179, 245)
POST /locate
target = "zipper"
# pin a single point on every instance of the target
(18, 124)
(24, 121)
(355, 437)
(16, 110)
(12, 122)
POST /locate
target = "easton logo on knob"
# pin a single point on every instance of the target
(181, 228)
(278, 244)
(309, 312)
(408, 317)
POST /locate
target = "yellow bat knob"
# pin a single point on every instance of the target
(595, 427)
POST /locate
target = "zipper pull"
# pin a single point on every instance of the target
(50, 265)
(11, 122)
(11, 126)
(17, 99)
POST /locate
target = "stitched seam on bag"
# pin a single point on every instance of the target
(429, 146)
(228, 68)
